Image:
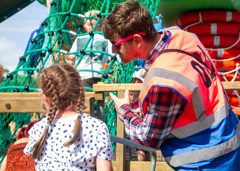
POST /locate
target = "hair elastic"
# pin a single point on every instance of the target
(48, 125)
(79, 115)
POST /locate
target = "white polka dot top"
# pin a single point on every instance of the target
(93, 142)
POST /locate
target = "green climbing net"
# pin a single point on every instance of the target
(52, 43)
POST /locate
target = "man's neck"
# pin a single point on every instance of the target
(150, 45)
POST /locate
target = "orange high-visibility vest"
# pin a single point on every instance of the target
(201, 135)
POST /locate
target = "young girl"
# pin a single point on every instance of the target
(67, 139)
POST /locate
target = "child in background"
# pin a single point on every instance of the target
(138, 77)
(68, 139)
(15, 158)
(90, 60)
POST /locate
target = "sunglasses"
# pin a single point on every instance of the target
(118, 44)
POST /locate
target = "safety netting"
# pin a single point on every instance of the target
(51, 43)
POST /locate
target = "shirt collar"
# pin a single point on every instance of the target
(156, 50)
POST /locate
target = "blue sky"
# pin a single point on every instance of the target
(15, 33)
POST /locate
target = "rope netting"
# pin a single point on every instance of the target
(219, 32)
(52, 43)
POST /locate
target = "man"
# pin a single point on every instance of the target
(185, 111)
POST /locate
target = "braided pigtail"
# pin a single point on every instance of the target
(52, 111)
(77, 126)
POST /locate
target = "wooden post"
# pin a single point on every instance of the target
(89, 102)
(120, 149)
(100, 108)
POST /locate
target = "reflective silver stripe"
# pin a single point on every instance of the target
(216, 41)
(200, 17)
(179, 22)
(203, 123)
(72, 33)
(189, 84)
(213, 28)
(81, 16)
(63, 51)
(163, 73)
(229, 16)
(220, 53)
(206, 153)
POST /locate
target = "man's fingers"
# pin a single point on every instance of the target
(137, 111)
(126, 94)
(113, 97)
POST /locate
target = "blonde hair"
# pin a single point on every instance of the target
(89, 23)
(62, 84)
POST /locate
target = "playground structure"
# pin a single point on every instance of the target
(30, 102)
(52, 43)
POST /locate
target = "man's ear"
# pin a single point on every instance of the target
(138, 39)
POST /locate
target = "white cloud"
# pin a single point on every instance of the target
(10, 53)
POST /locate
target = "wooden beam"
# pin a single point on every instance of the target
(32, 102)
(231, 85)
(143, 165)
(21, 102)
(96, 96)
(137, 86)
(116, 87)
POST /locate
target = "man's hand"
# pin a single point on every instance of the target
(119, 102)
(138, 112)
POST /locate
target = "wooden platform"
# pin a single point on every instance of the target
(32, 102)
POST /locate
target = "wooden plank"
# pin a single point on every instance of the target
(32, 102)
(116, 87)
(137, 86)
(21, 105)
(21, 102)
(120, 149)
(143, 165)
(231, 85)
(21, 95)
(97, 96)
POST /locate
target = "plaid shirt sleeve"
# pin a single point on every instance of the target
(164, 105)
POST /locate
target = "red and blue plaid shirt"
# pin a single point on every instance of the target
(165, 105)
